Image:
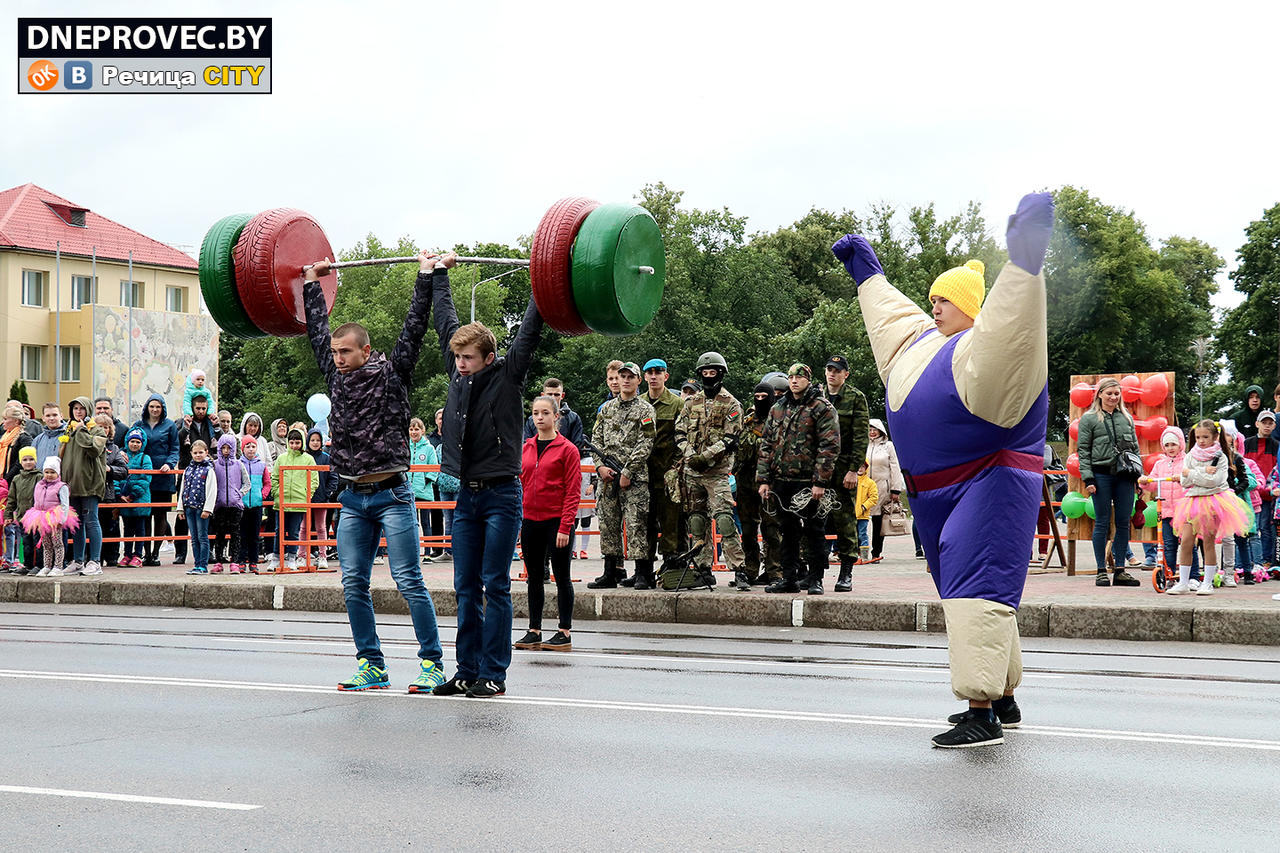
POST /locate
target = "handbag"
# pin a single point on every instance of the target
(1128, 463)
(893, 521)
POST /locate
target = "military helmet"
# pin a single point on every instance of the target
(778, 380)
(712, 359)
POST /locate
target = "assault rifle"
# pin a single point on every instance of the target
(602, 458)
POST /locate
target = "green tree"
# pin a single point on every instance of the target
(1249, 335)
(18, 391)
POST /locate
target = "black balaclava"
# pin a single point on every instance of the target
(763, 406)
(711, 387)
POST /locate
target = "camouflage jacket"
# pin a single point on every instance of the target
(665, 409)
(626, 429)
(748, 452)
(855, 419)
(801, 440)
(710, 428)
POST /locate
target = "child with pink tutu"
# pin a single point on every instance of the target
(1208, 508)
(49, 515)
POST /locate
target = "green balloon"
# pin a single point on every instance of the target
(1088, 508)
(1151, 516)
(1073, 504)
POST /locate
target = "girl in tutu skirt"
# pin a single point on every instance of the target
(50, 515)
(1208, 508)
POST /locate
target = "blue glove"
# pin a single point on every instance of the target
(1029, 231)
(858, 257)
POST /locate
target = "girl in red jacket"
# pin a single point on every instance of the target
(551, 480)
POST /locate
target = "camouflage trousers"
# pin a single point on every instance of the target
(709, 497)
(664, 518)
(617, 506)
(757, 523)
(843, 523)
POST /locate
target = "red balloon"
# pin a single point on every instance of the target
(1130, 388)
(1073, 465)
(1150, 461)
(1154, 390)
(1074, 430)
(1082, 395)
(1151, 428)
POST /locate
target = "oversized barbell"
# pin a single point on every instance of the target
(593, 268)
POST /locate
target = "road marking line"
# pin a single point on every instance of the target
(655, 708)
(128, 798)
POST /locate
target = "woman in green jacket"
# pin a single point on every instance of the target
(1105, 430)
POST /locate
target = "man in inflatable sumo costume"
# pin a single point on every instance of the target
(967, 405)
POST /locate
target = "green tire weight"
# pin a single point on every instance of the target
(218, 277)
(611, 293)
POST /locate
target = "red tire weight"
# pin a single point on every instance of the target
(269, 256)
(551, 260)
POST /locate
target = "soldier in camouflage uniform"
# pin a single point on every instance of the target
(664, 513)
(706, 437)
(625, 431)
(798, 453)
(756, 522)
(854, 416)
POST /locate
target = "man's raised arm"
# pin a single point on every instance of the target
(446, 318)
(318, 319)
(409, 345)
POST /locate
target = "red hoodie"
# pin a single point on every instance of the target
(552, 483)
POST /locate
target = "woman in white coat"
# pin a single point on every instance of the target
(882, 467)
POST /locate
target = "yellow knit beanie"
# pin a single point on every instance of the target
(964, 287)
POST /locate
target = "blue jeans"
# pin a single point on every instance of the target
(1117, 492)
(864, 536)
(364, 519)
(1267, 530)
(485, 526)
(292, 530)
(448, 517)
(12, 535)
(90, 527)
(1171, 548)
(198, 528)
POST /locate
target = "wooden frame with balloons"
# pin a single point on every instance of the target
(1149, 398)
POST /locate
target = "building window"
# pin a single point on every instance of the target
(33, 294)
(84, 291)
(32, 363)
(131, 294)
(175, 299)
(69, 364)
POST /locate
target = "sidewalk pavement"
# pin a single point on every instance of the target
(894, 595)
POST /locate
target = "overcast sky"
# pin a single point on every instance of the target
(464, 121)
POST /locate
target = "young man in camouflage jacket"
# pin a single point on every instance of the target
(854, 416)
(624, 431)
(798, 454)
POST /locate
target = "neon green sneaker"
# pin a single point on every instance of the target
(431, 677)
(367, 677)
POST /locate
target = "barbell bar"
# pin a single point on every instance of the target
(609, 258)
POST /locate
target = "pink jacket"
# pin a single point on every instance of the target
(1170, 492)
(1257, 493)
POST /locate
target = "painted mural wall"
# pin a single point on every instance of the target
(152, 353)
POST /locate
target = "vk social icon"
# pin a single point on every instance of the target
(77, 74)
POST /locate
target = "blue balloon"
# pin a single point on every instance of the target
(318, 407)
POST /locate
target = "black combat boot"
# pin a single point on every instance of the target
(787, 583)
(813, 583)
(644, 577)
(844, 583)
(607, 580)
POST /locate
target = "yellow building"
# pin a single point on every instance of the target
(76, 319)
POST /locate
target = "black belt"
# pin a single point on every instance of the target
(377, 486)
(490, 483)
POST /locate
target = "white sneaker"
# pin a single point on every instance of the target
(46, 571)
(290, 564)
(1276, 597)
(93, 567)
(272, 561)
(58, 573)
(1178, 589)
(1193, 584)
(72, 568)
(166, 547)
(1206, 588)
(379, 560)
(1229, 580)
(322, 563)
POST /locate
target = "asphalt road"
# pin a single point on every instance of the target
(646, 737)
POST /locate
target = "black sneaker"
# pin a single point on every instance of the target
(1102, 579)
(487, 688)
(605, 581)
(1123, 578)
(151, 561)
(531, 640)
(782, 586)
(1007, 712)
(971, 731)
(178, 562)
(453, 687)
(559, 642)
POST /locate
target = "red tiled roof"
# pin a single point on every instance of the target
(34, 218)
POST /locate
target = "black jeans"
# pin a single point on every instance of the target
(250, 533)
(794, 526)
(160, 523)
(1111, 492)
(109, 521)
(226, 528)
(537, 538)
